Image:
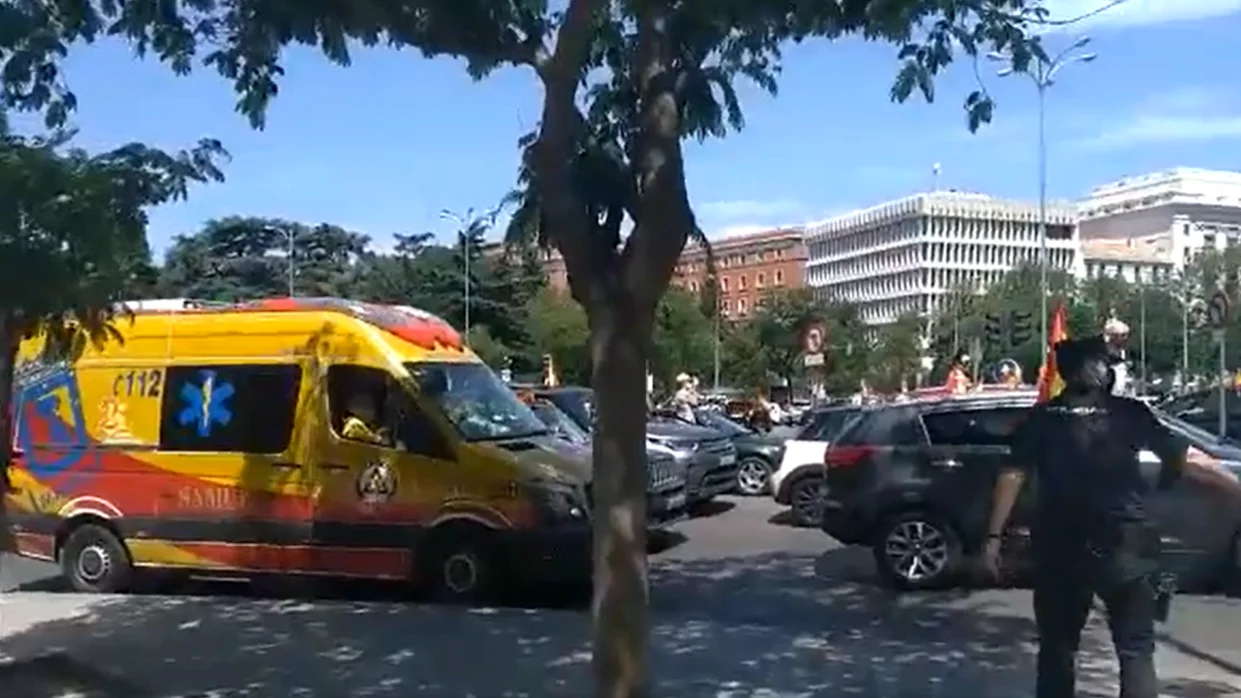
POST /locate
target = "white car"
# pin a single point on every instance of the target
(796, 482)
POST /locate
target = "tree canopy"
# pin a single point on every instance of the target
(241, 257)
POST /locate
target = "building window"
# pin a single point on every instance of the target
(741, 307)
(229, 408)
(779, 277)
(693, 286)
(724, 284)
(741, 282)
(760, 280)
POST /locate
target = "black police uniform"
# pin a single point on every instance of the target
(1091, 534)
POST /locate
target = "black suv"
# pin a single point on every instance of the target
(914, 481)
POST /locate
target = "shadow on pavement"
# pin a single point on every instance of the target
(784, 517)
(713, 507)
(769, 625)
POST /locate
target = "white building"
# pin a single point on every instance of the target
(1136, 260)
(901, 257)
(1176, 213)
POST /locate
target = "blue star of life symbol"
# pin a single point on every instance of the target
(206, 404)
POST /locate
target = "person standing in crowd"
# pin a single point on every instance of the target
(958, 373)
(1091, 534)
(1115, 337)
(685, 399)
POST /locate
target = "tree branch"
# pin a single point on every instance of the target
(561, 132)
(573, 40)
(664, 215)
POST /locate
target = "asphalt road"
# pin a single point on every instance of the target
(742, 607)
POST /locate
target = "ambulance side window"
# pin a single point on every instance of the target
(229, 408)
(367, 406)
(357, 396)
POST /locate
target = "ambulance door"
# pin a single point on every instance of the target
(375, 494)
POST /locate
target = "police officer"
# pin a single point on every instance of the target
(1115, 337)
(1091, 535)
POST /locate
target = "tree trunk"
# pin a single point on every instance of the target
(618, 340)
(8, 361)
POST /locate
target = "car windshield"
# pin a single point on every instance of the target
(578, 404)
(560, 422)
(721, 422)
(479, 405)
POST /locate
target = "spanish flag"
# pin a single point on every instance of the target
(1049, 381)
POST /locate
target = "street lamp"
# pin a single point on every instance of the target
(292, 264)
(716, 358)
(465, 256)
(1043, 72)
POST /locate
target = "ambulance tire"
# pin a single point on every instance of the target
(94, 560)
(458, 565)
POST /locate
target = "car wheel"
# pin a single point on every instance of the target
(753, 476)
(806, 500)
(917, 550)
(458, 568)
(95, 561)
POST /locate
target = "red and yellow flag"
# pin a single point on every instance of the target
(1049, 381)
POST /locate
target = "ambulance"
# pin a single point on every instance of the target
(307, 436)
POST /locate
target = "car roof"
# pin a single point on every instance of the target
(563, 390)
(838, 407)
(969, 401)
(544, 390)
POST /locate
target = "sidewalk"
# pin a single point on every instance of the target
(722, 629)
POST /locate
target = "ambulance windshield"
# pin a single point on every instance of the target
(476, 401)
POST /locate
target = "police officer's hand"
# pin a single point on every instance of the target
(991, 557)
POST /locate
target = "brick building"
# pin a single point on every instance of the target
(747, 266)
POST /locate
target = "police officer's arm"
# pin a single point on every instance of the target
(1180, 459)
(1011, 478)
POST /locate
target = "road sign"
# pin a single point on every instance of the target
(813, 341)
(814, 359)
(1217, 310)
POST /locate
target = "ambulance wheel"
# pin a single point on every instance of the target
(95, 561)
(458, 568)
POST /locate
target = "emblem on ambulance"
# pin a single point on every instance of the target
(377, 483)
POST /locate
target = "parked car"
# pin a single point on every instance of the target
(757, 454)
(796, 482)
(666, 501)
(914, 482)
(1201, 409)
(709, 458)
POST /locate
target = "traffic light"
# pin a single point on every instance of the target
(1022, 329)
(993, 335)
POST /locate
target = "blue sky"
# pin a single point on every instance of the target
(385, 145)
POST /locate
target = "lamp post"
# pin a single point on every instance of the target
(292, 264)
(1043, 72)
(1142, 330)
(1184, 333)
(467, 227)
(716, 382)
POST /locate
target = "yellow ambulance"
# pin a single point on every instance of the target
(289, 436)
